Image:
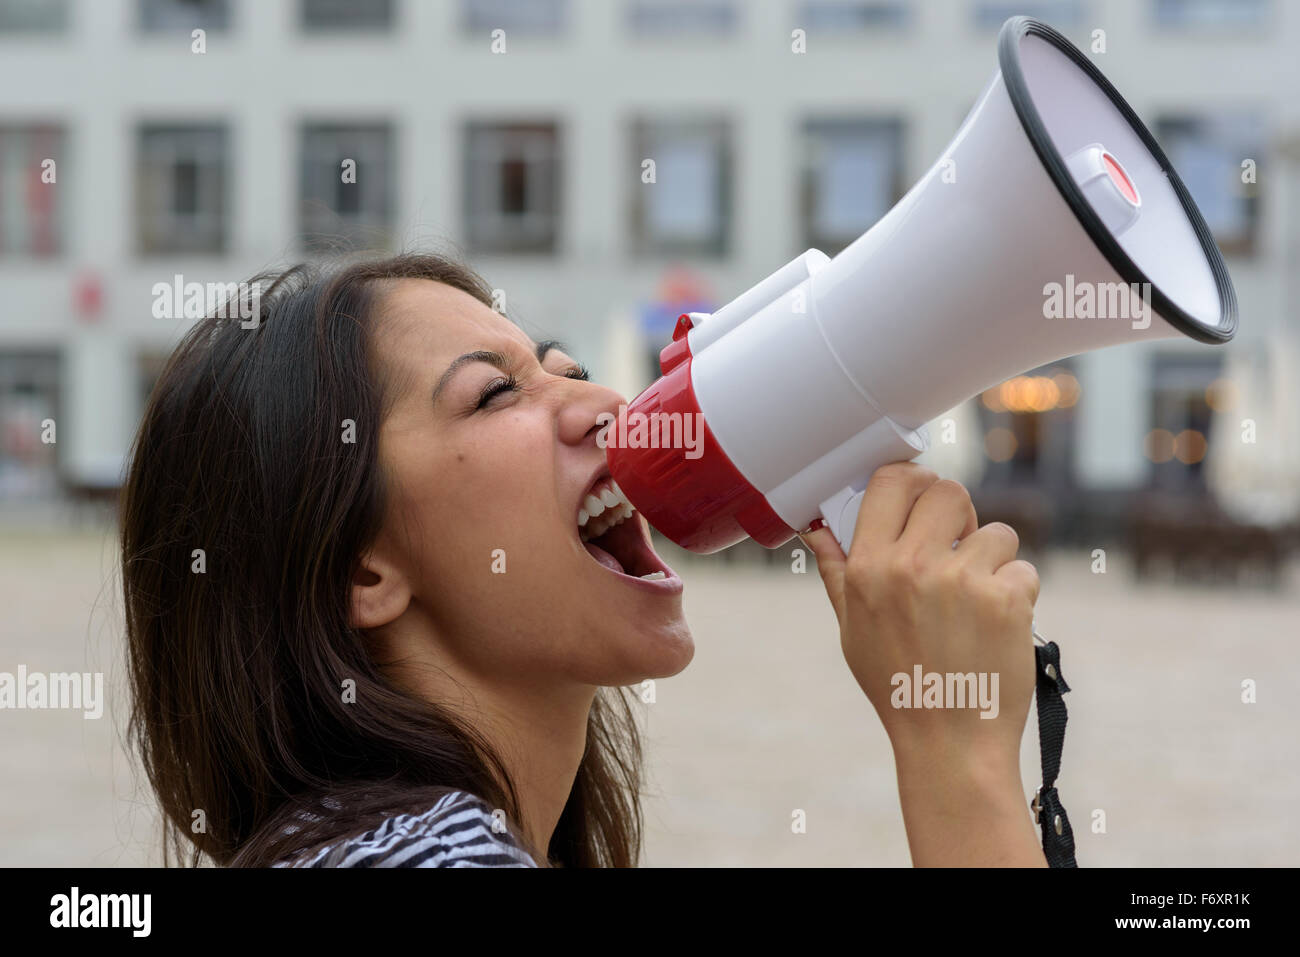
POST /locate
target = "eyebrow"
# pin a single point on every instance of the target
(497, 359)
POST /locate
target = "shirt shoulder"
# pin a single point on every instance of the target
(458, 831)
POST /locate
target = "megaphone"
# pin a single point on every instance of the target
(1052, 224)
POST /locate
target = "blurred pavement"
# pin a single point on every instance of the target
(767, 720)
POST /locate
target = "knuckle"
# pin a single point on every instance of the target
(1005, 530)
(918, 564)
(962, 578)
(905, 569)
(1025, 570)
(1031, 577)
(951, 488)
(999, 604)
(903, 474)
(857, 570)
(952, 494)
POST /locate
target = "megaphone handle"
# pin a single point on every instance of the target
(845, 518)
(1053, 822)
(882, 442)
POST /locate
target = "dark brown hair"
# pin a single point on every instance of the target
(238, 654)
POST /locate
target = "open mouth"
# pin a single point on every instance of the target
(614, 534)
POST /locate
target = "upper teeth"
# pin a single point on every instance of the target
(601, 510)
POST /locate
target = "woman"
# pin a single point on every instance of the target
(365, 626)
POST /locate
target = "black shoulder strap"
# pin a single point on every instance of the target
(1058, 838)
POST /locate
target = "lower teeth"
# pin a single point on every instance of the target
(653, 576)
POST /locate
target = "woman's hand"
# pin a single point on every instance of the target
(905, 597)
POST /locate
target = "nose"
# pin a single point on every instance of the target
(587, 409)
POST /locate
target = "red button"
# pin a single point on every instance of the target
(1120, 178)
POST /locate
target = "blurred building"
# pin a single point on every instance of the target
(128, 157)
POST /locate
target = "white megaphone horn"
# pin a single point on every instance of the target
(1053, 224)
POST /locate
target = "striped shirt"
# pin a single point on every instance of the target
(458, 831)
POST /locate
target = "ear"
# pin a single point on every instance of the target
(379, 592)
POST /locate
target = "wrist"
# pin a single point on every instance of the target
(965, 810)
(959, 774)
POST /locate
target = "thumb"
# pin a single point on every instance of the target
(830, 562)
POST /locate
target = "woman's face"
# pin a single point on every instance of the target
(481, 536)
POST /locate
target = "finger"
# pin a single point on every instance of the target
(942, 515)
(830, 562)
(990, 547)
(889, 497)
(1022, 576)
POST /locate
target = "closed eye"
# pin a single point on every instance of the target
(510, 384)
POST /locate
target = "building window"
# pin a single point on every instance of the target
(347, 14)
(181, 190)
(31, 208)
(1208, 153)
(538, 17)
(1210, 14)
(33, 16)
(29, 395)
(679, 18)
(1029, 427)
(687, 208)
(347, 186)
(512, 187)
(852, 175)
(991, 14)
(840, 16)
(184, 15)
(1178, 439)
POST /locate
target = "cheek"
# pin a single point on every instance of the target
(490, 517)
(502, 486)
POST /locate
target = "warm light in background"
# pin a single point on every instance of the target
(1015, 394)
(1068, 387)
(1037, 393)
(1189, 446)
(1221, 395)
(1159, 445)
(1042, 394)
(1000, 444)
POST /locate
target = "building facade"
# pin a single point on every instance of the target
(134, 150)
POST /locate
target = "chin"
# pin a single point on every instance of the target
(663, 653)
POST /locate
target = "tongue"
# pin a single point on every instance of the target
(604, 557)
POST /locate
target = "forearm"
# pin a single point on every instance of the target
(960, 814)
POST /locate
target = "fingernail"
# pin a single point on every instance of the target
(816, 524)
